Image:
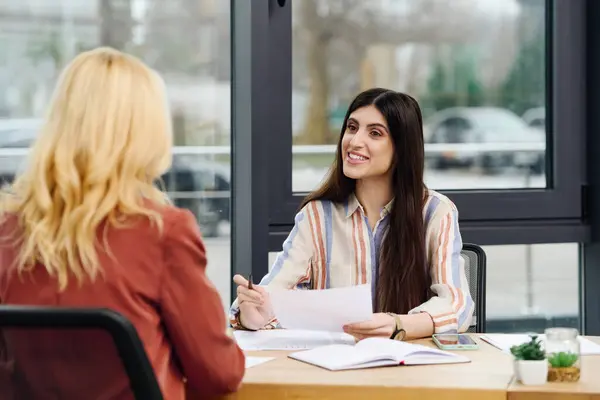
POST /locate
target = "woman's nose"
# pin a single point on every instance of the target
(358, 139)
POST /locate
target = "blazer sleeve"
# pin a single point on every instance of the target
(451, 309)
(193, 313)
(292, 267)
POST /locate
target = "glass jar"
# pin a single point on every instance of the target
(563, 352)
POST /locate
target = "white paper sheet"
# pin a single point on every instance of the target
(504, 341)
(252, 361)
(322, 310)
(284, 339)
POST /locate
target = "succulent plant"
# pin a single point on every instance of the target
(562, 359)
(529, 351)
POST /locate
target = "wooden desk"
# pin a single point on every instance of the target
(486, 377)
(587, 388)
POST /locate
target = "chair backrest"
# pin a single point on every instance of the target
(42, 323)
(475, 264)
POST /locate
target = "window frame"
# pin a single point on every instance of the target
(589, 278)
(250, 114)
(500, 212)
(263, 204)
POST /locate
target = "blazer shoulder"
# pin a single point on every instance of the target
(178, 220)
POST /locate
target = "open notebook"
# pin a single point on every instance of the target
(375, 352)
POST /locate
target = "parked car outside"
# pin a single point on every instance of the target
(203, 187)
(535, 118)
(485, 125)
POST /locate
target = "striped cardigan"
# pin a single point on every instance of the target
(332, 245)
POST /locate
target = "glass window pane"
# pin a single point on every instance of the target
(477, 67)
(187, 42)
(529, 287)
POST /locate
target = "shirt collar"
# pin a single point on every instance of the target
(352, 204)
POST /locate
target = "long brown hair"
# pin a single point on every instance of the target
(404, 281)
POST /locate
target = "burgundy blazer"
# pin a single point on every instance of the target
(158, 282)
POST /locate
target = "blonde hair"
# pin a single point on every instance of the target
(106, 139)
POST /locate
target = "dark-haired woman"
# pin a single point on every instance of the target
(374, 222)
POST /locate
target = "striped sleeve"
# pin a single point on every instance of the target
(292, 268)
(451, 309)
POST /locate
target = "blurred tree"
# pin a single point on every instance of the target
(116, 23)
(525, 86)
(47, 47)
(454, 86)
(316, 125)
(182, 36)
(333, 36)
(188, 42)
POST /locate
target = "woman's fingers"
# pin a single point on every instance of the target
(259, 289)
(250, 294)
(245, 299)
(379, 325)
(363, 327)
(257, 293)
(240, 280)
(358, 336)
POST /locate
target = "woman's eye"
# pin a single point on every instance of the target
(351, 128)
(376, 133)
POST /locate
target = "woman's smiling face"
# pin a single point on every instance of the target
(367, 147)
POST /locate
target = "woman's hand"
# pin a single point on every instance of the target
(380, 325)
(255, 306)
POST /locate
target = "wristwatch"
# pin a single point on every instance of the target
(399, 332)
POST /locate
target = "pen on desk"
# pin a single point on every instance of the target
(250, 282)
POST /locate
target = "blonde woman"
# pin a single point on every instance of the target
(85, 226)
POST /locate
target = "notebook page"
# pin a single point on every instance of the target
(338, 357)
(289, 339)
(401, 350)
(322, 310)
(253, 361)
(504, 341)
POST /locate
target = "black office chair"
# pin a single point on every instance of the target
(475, 264)
(124, 336)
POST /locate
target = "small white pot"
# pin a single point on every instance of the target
(531, 372)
